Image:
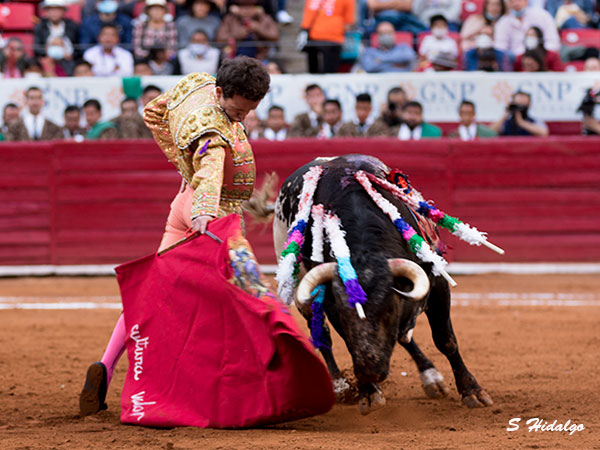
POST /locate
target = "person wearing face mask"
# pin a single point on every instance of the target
(59, 60)
(534, 42)
(472, 26)
(437, 42)
(53, 24)
(510, 30)
(387, 56)
(198, 55)
(484, 56)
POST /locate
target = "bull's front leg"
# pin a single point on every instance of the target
(438, 314)
(431, 380)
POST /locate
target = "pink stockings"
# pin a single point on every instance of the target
(115, 348)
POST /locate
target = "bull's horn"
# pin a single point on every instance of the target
(408, 269)
(317, 275)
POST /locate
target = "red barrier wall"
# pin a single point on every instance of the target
(106, 202)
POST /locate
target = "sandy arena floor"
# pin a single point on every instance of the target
(535, 351)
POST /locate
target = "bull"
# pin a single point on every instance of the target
(397, 285)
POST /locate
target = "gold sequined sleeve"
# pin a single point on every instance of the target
(208, 162)
(156, 117)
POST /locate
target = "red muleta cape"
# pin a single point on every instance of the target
(210, 345)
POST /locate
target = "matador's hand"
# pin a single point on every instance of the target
(200, 223)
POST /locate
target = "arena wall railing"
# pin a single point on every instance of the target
(105, 202)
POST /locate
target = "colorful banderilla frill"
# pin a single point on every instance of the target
(416, 243)
(457, 227)
(289, 264)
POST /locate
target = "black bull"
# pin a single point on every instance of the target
(390, 317)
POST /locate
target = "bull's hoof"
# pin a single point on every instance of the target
(479, 399)
(371, 402)
(433, 383)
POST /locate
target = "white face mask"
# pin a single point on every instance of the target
(198, 49)
(56, 52)
(439, 32)
(483, 41)
(531, 42)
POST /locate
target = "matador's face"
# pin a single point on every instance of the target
(236, 107)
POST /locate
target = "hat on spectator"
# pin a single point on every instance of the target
(162, 3)
(54, 4)
(107, 6)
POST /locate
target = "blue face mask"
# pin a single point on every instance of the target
(517, 14)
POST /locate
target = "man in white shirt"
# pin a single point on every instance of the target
(509, 32)
(438, 41)
(198, 55)
(33, 125)
(469, 129)
(332, 119)
(363, 120)
(107, 58)
(276, 129)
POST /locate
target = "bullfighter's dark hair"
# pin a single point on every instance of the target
(364, 97)
(93, 103)
(333, 101)
(412, 104)
(243, 76)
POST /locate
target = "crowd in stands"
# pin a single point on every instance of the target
(165, 37)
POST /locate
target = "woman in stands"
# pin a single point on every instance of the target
(155, 31)
(472, 26)
(534, 41)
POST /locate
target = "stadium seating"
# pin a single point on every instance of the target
(17, 16)
(584, 37)
(471, 7)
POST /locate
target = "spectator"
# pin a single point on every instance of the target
(275, 126)
(390, 113)
(361, 123)
(469, 129)
(438, 41)
(326, 23)
(130, 124)
(72, 129)
(198, 55)
(12, 59)
(107, 58)
(413, 127)
(273, 68)
(83, 69)
(516, 120)
(484, 56)
(95, 128)
(533, 61)
(592, 64)
(10, 115)
(252, 125)
(332, 119)
(89, 32)
(534, 42)
(426, 10)
(149, 93)
(398, 13)
(571, 14)
(142, 68)
(199, 19)
(33, 70)
(473, 25)
(155, 31)
(33, 125)
(511, 28)
(159, 62)
(248, 25)
(388, 56)
(59, 62)
(54, 24)
(308, 124)
(443, 62)
(591, 124)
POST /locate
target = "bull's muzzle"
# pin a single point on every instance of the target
(323, 273)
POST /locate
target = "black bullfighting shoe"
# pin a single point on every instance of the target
(91, 399)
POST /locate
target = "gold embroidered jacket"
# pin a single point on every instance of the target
(221, 168)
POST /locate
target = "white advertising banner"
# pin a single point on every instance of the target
(555, 95)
